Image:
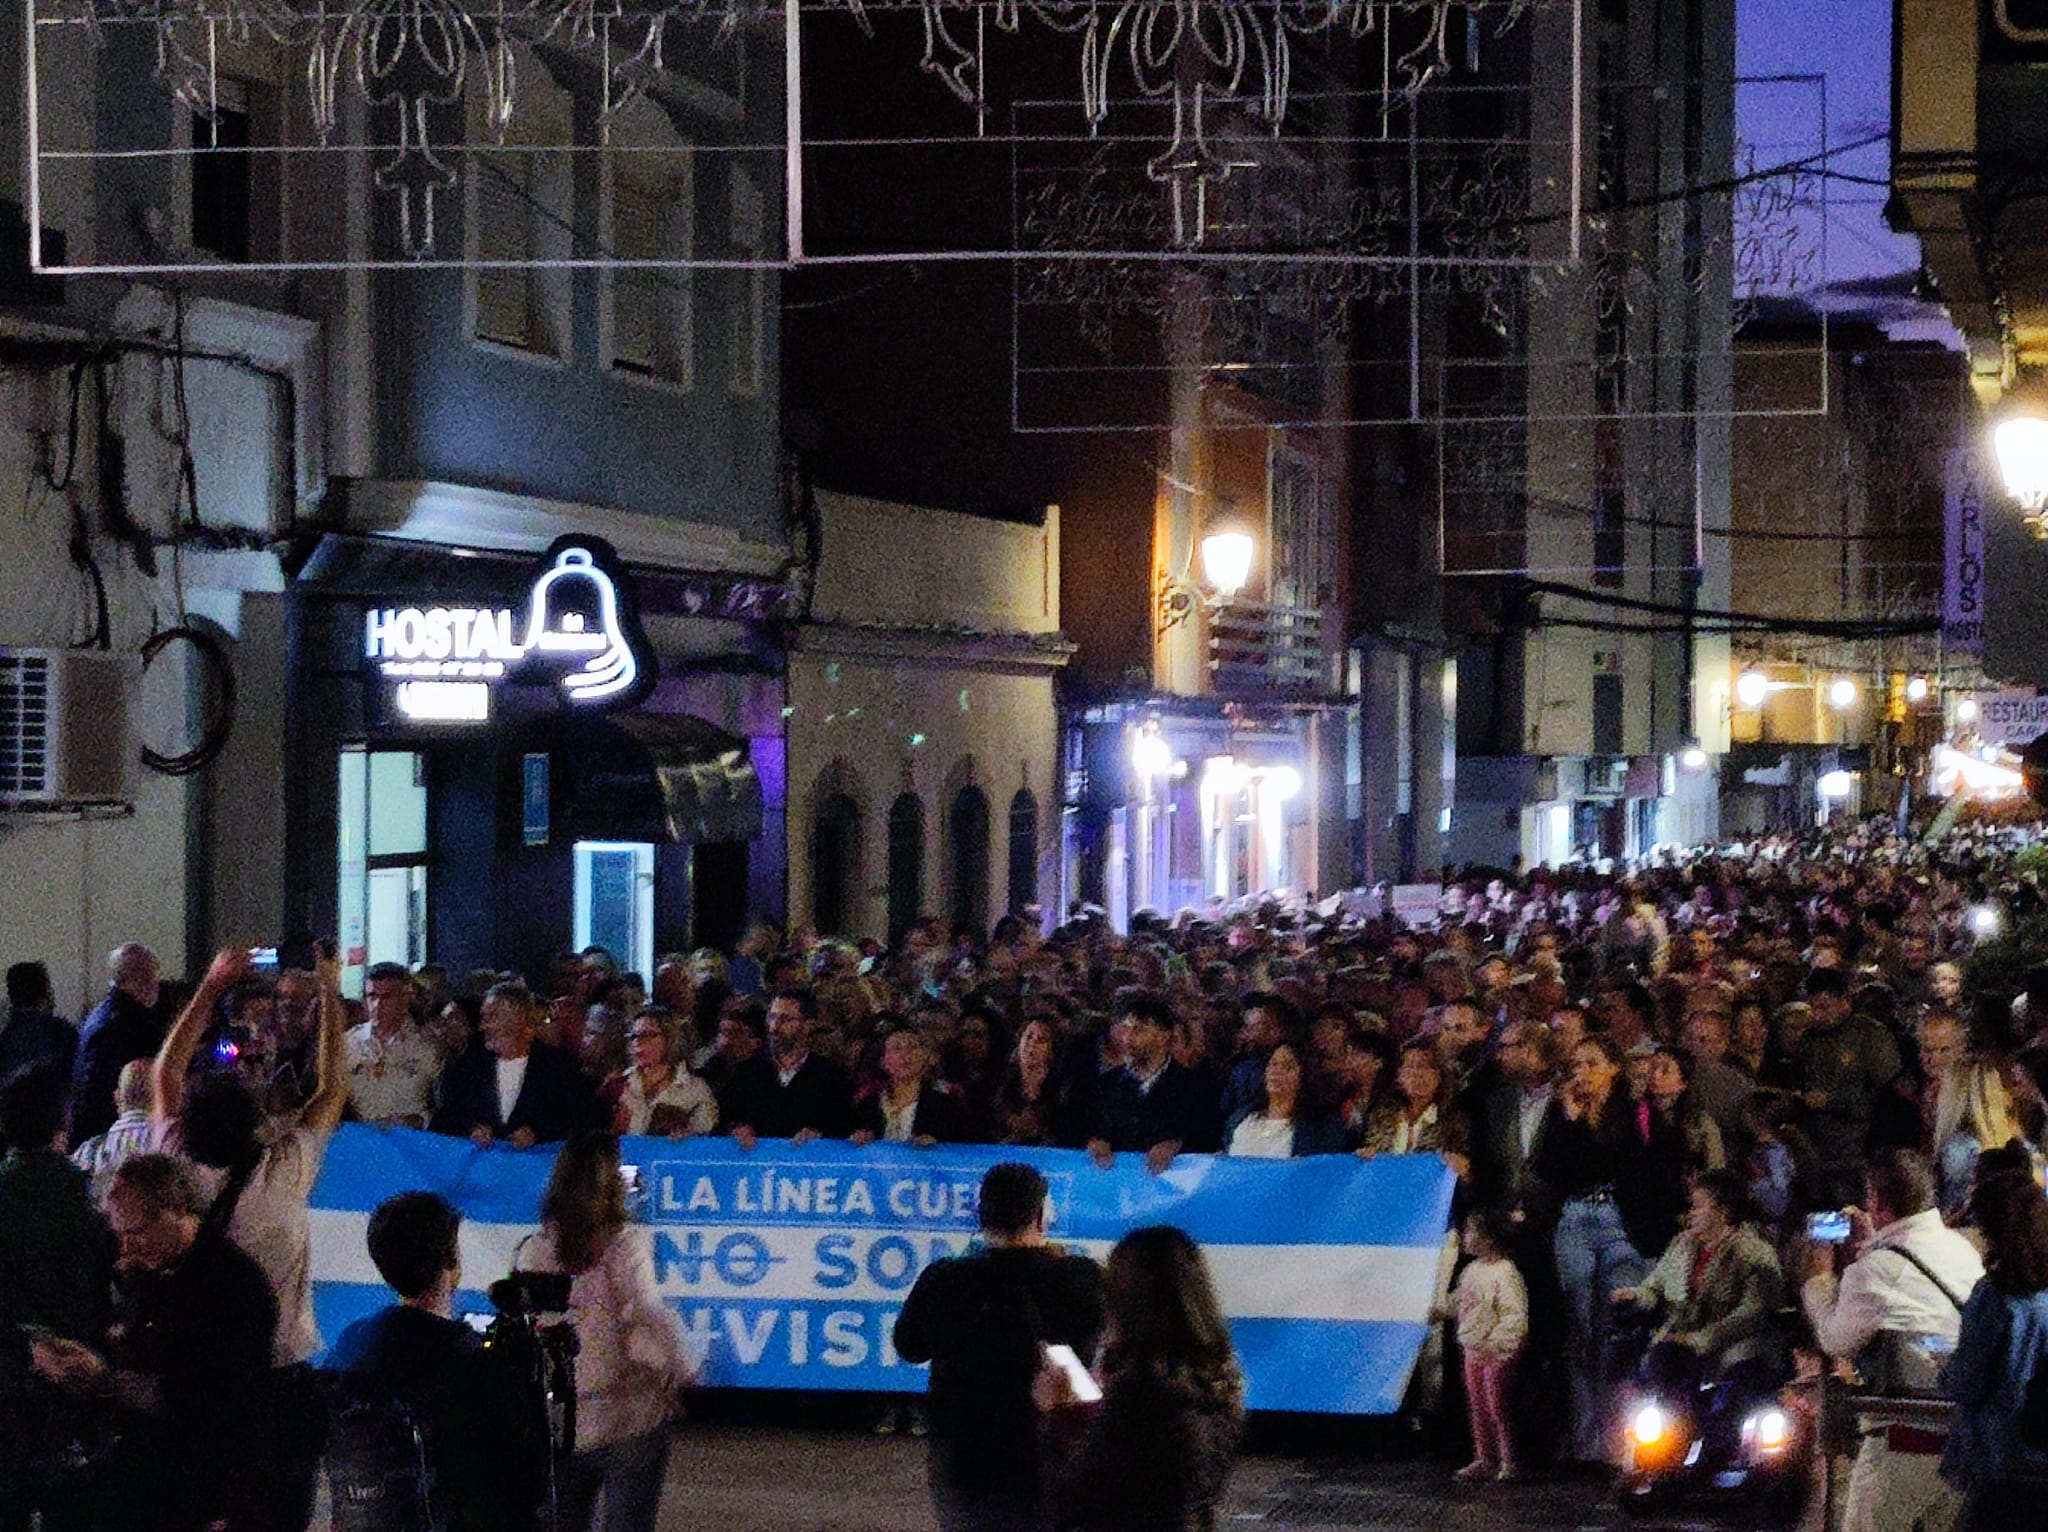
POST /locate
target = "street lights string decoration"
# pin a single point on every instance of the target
(412, 57)
(1187, 54)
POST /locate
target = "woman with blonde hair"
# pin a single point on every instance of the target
(631, 1362)
(1973, 1111)
(656, 1093)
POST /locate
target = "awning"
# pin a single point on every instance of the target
(648, 777)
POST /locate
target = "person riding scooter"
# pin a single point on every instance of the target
(1716, 1292)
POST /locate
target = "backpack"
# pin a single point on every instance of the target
(379, 1471)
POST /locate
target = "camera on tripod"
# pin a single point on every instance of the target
(527, 1295)
(531, 1349)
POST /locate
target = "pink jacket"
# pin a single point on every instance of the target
(632, 1357)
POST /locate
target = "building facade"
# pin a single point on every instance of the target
(923, 729)
(1838, 522)
(1967, 135)
(360, 449)
(1582, 454)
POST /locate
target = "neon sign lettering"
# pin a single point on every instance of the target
(578, 635)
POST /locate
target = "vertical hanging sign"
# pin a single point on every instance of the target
(533, 799)
(1962, 604)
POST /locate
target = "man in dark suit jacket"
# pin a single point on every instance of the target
(122, 1028)
(1509, 1122)
(513, 1088)
(788, 1091)
(1153, 1105)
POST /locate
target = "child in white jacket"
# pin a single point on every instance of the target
(1492, 1308)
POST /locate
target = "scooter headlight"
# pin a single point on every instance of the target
(1649, 1425)
(1768, 1430)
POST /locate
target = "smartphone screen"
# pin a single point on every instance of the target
(1079, 1379)
(1827, 1228)
(262, 957)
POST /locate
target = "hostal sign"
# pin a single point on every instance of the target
(577, 631)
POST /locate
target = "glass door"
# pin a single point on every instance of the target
(381, 857)
(615, 901)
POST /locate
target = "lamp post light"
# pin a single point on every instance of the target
(2021, 443)
(1228, 552)
(1227, 560)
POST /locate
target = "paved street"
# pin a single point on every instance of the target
(761, 1479)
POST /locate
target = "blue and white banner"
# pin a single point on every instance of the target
(788, 1266)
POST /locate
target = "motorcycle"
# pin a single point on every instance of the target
(1722, 1439)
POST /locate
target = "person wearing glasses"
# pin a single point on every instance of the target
(655, 1094)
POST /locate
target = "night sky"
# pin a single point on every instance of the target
(1850, 42)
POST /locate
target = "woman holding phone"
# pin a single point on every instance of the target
(1586, 1150)
(1155, 1454)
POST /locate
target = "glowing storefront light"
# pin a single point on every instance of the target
(1958, 771)
(578, 633)
(2021, 442)
(1151, 755)
(444, 701)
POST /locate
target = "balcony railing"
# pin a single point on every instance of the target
(1254, 648)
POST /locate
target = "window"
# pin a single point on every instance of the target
(236, 196)
(1302, 565)
(505, 300)
(650, 215)
(748, 231)
(835, 864)
(906, 865)
(615, 901)
(1607, 716)
(221, 189)
(1610, 535)
(381, 856)
(1023, 851)
(520, 206)
(968, 830)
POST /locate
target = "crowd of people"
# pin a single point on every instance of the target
(1645, 1081)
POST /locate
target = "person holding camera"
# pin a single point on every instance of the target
(1902, 1272)
(983, 1320)
(631, 1363)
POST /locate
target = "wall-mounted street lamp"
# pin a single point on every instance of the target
(2021, 441)
(1752, 689)
(1227, 560)
(1841, 694)
(1228, 551)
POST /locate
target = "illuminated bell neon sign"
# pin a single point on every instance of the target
(446, 659)
(562, 623)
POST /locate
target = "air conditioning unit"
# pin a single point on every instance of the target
(65, 734)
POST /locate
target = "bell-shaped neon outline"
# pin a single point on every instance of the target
(609, 671)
